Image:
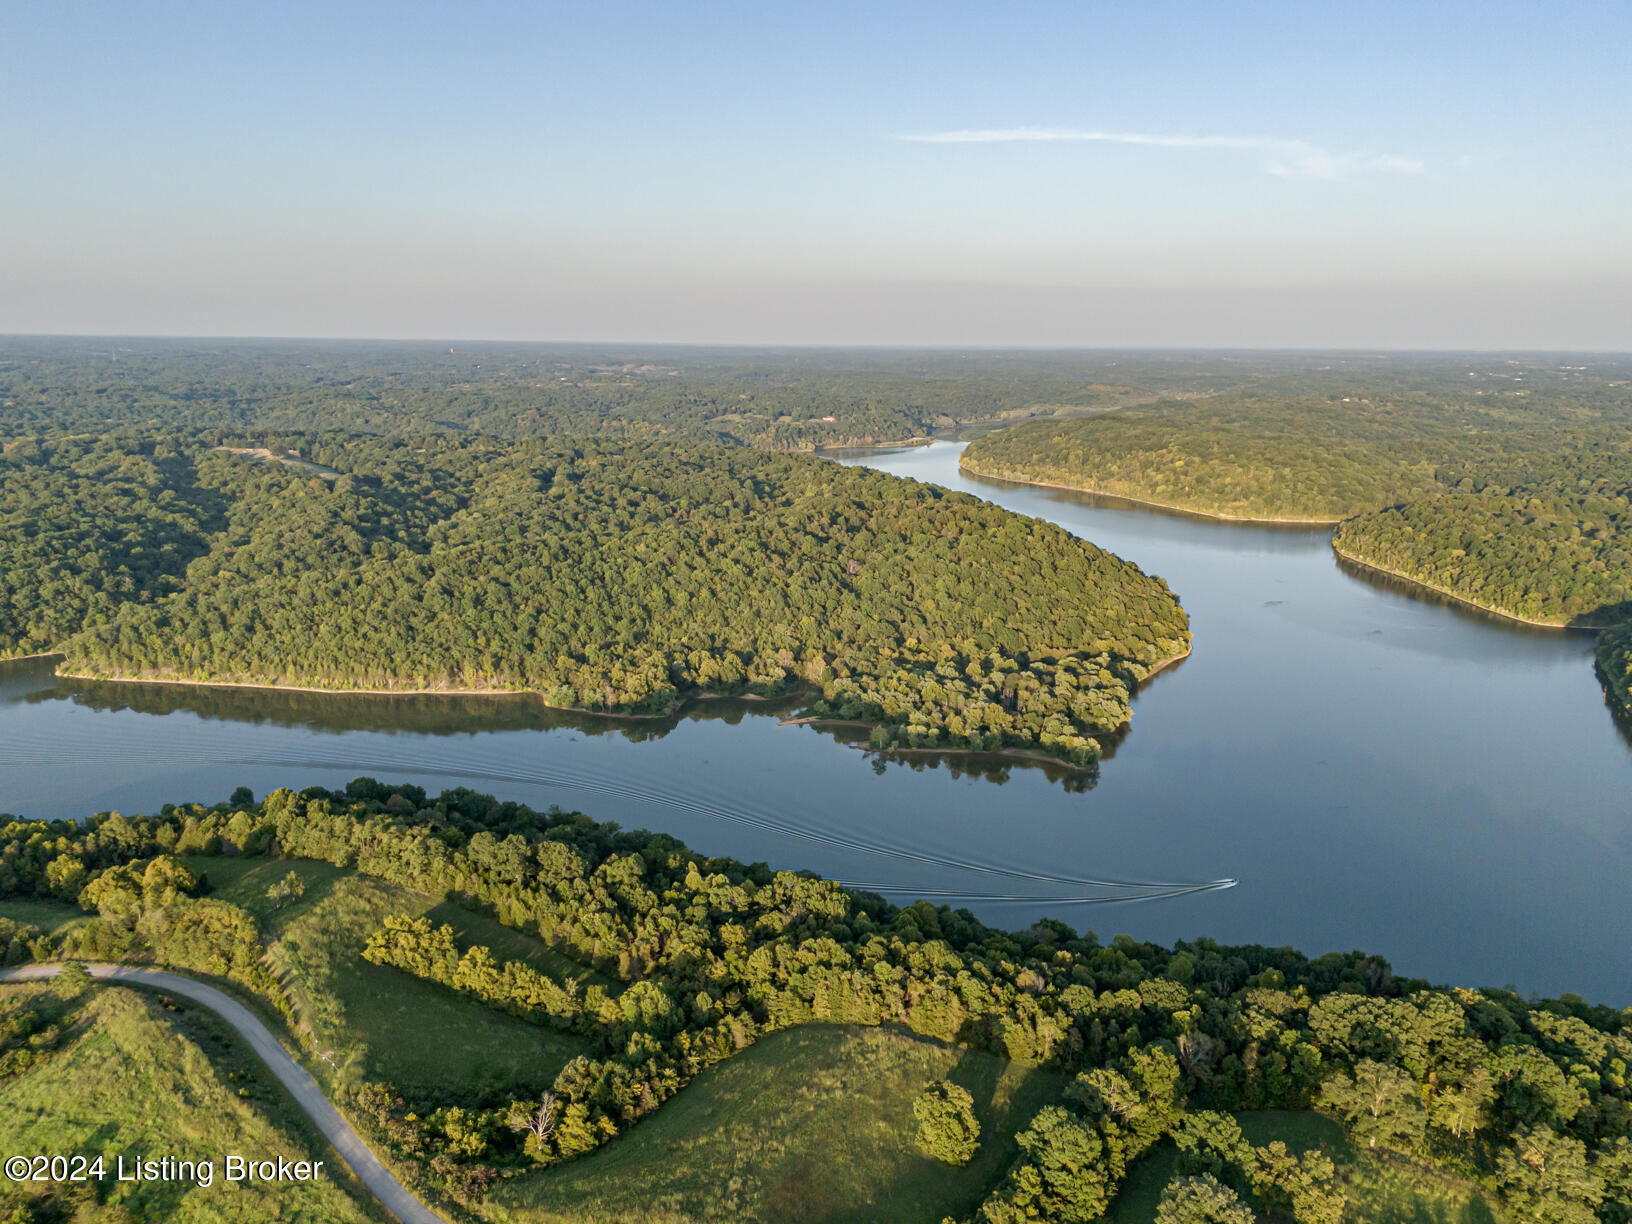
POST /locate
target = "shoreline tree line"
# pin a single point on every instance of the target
(1531, 1100)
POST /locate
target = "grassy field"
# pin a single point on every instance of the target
(1380, 1189)
(147, 1078)
(244, 882)
(376, 1023)
(812, 1125)
(50, 916)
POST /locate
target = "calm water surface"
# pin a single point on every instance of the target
(1378, 771)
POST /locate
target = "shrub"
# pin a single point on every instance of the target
(947, 1128)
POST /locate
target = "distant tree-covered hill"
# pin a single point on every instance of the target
(1287, 453)
(796, 400)
(791, 399)
(1514, 494)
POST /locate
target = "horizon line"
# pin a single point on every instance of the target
(825, 346)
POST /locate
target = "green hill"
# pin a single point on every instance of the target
(370, 1023)
(813, 1125)
(139, 1074)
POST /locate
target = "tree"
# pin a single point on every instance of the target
(1201, 1200)
(1062, 1175)
(67, 876)
(947, 1127)
(1614, 1169)
(1465, 1108)
(165, 879)
(578, 1132)
(1534, 1090)
(1547, 1177)
(1304, 1185)
(1211, 1143)
(537, 1121)
(1380, 1103)
(1195, 1054)
(290, 888)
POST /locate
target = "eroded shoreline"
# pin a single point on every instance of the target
(1155, 505)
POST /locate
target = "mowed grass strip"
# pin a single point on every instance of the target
(371, 1022)
(148, 1077)
(244, 881)
(471, 928)
(812, 1125)
(1381, 1188)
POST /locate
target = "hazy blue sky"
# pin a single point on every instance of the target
(1435, 175)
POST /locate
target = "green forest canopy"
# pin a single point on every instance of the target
(1330, 453)
(1512, 491)
(794, 400)
(1500, 479)
(774, 399)
(618, 576)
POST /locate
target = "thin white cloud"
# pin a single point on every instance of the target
(1283, 158)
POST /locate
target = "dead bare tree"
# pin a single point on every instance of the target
(539, 1122)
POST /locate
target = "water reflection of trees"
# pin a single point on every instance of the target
(989, 767)
(27, 679)
(467, 714)
(1415, 591)
(417, 713)
(1623, 724)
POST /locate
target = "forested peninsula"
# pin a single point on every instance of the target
(617, 576)
(452, 968)
(1513, 495)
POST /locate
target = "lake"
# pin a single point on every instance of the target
(1376, 770)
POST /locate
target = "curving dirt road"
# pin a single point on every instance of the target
(392, 1194)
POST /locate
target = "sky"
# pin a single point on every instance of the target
(1084, 174)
